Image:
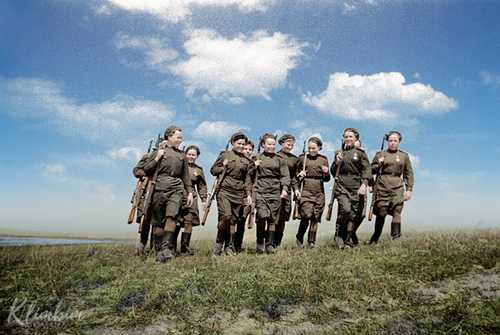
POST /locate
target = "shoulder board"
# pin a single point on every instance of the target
(322, 156)
(198, 166)
(361, 149)
(403, 151)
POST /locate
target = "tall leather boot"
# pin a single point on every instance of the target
(270, 242)
(167, 247)
(177, 231)
(311, 239)
(301, 232)
(395, 230)
(379, 225)
(219, 243)
(260, 247)
(185, 240)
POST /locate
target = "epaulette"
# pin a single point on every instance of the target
(198, 166)
(361, 149)
(323, 156)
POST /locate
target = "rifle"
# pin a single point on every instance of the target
(215, 189)
(374, 193)
(138, 193)
(296, 212)
(250, 220)
(150, 190)
(332, 199)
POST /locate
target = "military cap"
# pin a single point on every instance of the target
(238, 136)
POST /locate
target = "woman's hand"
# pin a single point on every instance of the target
(284, 194)
(407, 195)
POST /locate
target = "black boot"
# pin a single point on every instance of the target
(270, 242)
(301, 232)
(278, 236)
(219, 243)
(311, 239)
(157, 242)
(260, 248)
(167, 248)
(395, 230)
(379, 225)
(185, 240)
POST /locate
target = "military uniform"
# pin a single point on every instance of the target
(354, 170)
(272, 177)
(190, 216)
(286, 204)
(172, 181)
(145, 228)
(235, 187)
(312, 198)
(240, 227)
(395, 175)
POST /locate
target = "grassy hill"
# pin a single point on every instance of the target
(437, 283)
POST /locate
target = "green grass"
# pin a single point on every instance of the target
(367, 290)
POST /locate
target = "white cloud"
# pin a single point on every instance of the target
(490, 79)
(157, 55)
(216, 130)
(129, 153)
(54, 170)
(122, 118)
(177, 10)
(378, 97)
(244, 66)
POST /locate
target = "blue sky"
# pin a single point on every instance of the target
(84, 85)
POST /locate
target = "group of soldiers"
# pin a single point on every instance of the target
(260, 189)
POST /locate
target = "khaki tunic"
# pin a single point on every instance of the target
(235, 187)
(312, 200)
(291, 161)
(396, 173)
(273, 177)
(199, 184)
(172, 180)
(354, 171)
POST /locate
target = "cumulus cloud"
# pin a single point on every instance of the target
(177, 10)
(235, 68)
(110, 121)
(157, 55)
(378, 97)
(54, 170)
(490, 79)
(129, 153)
(216, 130)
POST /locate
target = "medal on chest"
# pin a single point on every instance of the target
(397, 158)
(355, 156)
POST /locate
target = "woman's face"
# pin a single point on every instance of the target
(288, 146)
(393, 141)
(313, 148)
(191, 155)
(247, 150)
(349, 138)
(175, 139)
(239, 145)
(270, 145)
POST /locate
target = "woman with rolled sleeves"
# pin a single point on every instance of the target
(232, 167)
(351, 184)
(312, 197)
(393, 185)
(190, 215)
(272, 185)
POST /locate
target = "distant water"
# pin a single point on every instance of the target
(20, 241)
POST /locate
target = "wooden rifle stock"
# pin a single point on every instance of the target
(213, 193)
(296, 212)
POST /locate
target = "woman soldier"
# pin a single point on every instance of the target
(393, 185)
(240, 228)
(287, 143)
(190, 215)
(169, 166)
(351, 185)
(272, 185)
(312, 197)
(232, 168)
